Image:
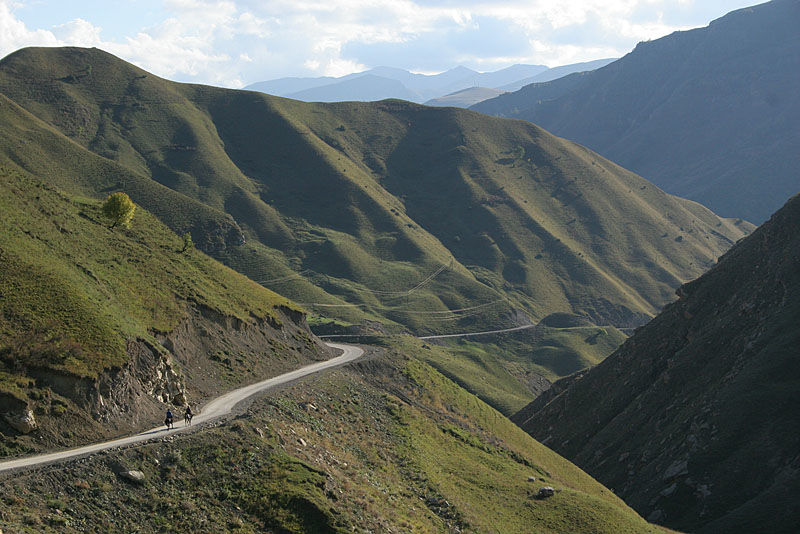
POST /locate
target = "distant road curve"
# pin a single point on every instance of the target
(471, 334)
(213, 410)
(464, 334)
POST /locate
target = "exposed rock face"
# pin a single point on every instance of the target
(155, 376)
(14, 411)
(23, 422)
(283, 343)
(151, 375)
(134, 476)
(179, 367)
(695, 420)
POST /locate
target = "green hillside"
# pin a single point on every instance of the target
(384, 445)
(355, 205)
(694, 420)
(508, 370)
(91, 317)
(66, 271)
(390, 444)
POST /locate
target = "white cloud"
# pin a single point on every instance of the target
(77, 32)
(14, 34)
(341, 67)
(225, 42)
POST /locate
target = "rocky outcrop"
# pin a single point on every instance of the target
(185, 365)
(256, 348)
(23, 422)
(179, 368)
(126, 396)
(135, 476)
(150, 376)
(17, 414)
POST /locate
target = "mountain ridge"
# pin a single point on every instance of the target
(414, 87)
(555, 73)
(388, 215)
(707, 114)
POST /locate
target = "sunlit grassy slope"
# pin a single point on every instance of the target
(87, 290)
(508, 370)
(354, 205)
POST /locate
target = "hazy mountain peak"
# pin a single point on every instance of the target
(465, 98)
(460, 69)
(416, 87)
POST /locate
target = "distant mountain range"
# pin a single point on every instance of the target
(710, 114)
(369, 88)
(465, 97)
(695, 420)
(556, 72)
(386, 82)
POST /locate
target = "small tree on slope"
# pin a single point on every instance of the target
(119, 208)
(187, 242)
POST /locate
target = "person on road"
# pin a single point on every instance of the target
(187, 417)
(169, 419)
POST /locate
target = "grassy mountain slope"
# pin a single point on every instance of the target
(694, 420)
(366, 201)
(391, 446)
(33, 145)
(508, 370)
(389, 214)
(708, 114)
(384, 445)
(94, 322)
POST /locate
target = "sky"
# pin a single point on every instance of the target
(233, 43)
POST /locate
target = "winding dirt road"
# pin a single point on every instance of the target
(484, 333)
(213, 410)
(438, 336)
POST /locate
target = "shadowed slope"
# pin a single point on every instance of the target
(694, 420)
(710, 114)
